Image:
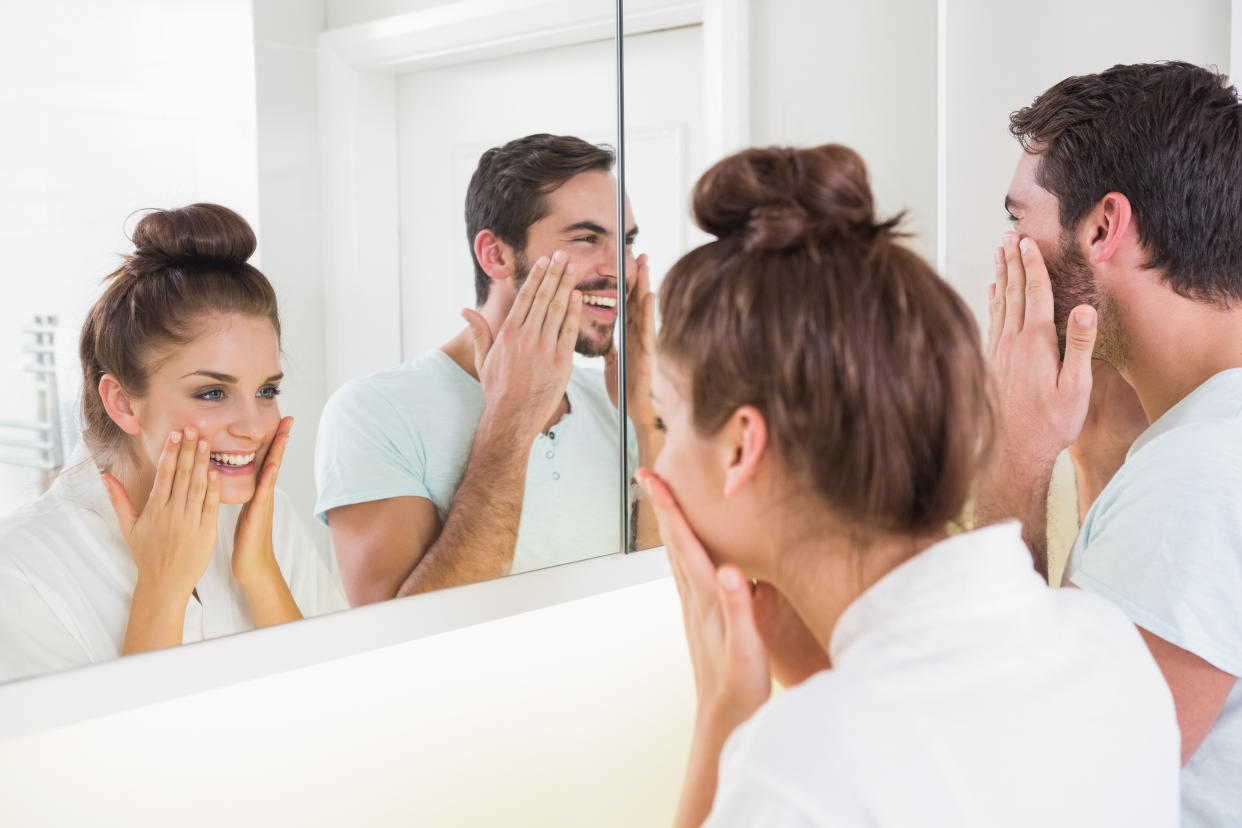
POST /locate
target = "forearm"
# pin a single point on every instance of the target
(698, 790)
(1017, 488)
(479, 535)
(156, 619)
(269, 597)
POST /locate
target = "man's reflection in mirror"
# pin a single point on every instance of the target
(496, 453)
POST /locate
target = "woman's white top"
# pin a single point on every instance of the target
(67, 577)
(964, 692)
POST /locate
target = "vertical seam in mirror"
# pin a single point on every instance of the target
(623, 293)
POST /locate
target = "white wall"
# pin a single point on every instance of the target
(291, 214)
(107, 109)
(861, 74)
(578, 714)
(999, 56)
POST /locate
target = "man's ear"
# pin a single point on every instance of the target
(495, 257)
(118, 404)
(744, 441)
(1106, 228)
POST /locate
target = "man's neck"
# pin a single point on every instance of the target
(1175, 346)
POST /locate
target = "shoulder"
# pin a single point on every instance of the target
(40, 529)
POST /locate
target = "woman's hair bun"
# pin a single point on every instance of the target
(186, 236)
(779, 198)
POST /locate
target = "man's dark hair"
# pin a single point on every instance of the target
(1168, 136)
(508, 190)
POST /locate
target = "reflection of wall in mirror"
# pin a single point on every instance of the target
(447, 118)
(137, 105)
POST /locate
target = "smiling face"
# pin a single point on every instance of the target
(581, 220)
(224, 384)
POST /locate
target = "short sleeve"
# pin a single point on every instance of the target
(34, 640)
(316, 589)
(1164, 543)
(366, 450)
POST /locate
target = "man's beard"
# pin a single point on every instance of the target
(1073, 284)
(594, 338)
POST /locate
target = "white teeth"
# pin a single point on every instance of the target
(232, 459)
(599, 301)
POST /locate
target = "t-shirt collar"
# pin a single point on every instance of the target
(1219, 397)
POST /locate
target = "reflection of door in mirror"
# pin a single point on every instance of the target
(488, 451)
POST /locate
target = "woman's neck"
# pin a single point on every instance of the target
(136, 479)
(822, 570)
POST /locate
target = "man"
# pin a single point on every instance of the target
(426, 470)
(1130, 184)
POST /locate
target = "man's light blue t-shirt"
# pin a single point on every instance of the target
(1164, 542)
(408, 431)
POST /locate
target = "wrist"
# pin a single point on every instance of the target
(259, 573)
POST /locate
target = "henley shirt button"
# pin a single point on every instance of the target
(550, 455)
(556, 475)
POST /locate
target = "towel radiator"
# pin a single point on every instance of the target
(39, 445)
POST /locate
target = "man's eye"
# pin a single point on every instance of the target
(586, 239)
(269, 392)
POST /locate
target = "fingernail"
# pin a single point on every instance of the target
(576, 296)
(729, 578)
(998, 256)
(558, 256)
(190, 434)
(1025, 245)
(569, 268)
(1084, 317)
(543, 262)
(175, 436)
(202, 446)
(1007, 241)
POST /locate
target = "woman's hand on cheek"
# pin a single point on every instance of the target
(173, 538)
(254, 558)
(730, 663)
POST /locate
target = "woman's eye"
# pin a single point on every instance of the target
(1010, 216)
(269, 392)
(211, 394)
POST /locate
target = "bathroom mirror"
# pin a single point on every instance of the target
(743, 74)
(346, 134)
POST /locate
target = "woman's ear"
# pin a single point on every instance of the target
(494, 256)
(118, 404)
(1106, 227)
(745, 439)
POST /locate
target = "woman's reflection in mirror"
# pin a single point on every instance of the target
(166, 526)
(497, 453)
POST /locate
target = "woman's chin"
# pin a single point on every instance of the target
(236, 494)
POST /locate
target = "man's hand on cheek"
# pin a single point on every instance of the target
(1041, 400)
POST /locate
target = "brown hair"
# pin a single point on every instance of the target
(1169, 137)
(187, 263)
(865, 364)
(507, 191)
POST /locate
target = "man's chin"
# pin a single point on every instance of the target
(595, 342)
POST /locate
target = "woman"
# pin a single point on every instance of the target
(166, 527)
(826, 411)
